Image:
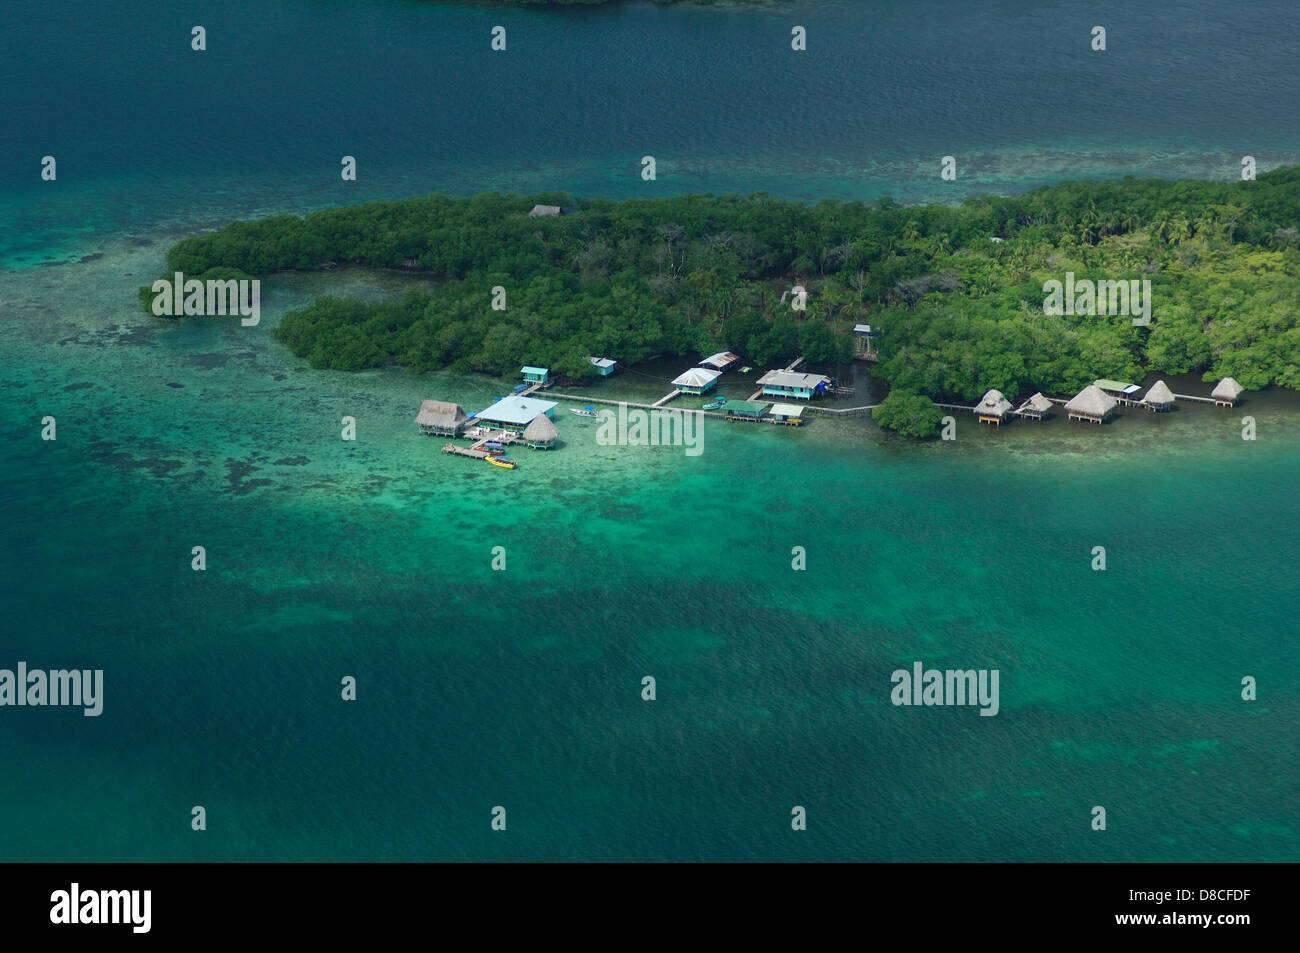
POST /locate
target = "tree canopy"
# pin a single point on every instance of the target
(959, 312)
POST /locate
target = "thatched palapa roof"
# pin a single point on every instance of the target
(992, 404)
(1092, 401)
(1037, 403)
(1159, 394)
(440, 413)
(541, 430)
(1227, 389)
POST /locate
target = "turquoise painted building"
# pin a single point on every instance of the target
(792, 384)
(534, 375)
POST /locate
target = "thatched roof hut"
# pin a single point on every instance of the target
(1036, 407)
(993, 407)
(1159, 397)
(1227, 391)
(1091, 404)
(540, 433)
(441, 417)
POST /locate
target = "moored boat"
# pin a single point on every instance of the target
(504, 462)
(585, 412)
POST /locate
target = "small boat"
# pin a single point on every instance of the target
(745, 370)
(585, 412)
(492, 444)
(504, 462)
(714, 404)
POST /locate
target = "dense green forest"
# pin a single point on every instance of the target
(959, 312)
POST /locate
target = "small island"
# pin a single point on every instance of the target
(958, 293)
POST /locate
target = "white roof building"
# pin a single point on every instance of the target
(697, 377)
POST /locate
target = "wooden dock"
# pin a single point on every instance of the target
(464, 451)
(969, 410)
(841, 411)
(1201, 400)
(671, 395)
(616, 403)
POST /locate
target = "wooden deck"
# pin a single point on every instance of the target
(671, 395)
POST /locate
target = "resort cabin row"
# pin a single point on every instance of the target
(794, 384)
(791, 414)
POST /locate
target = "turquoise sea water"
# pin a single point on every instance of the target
(522, 688)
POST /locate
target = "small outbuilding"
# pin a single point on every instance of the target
(791, 414)
(541, 433)
(1037, 407)
(721, 361)
(1159, 397)
(1091, 405)
(541, 210)
(746, 409)
(604, 365)
(1227, 392)
(534, 375)
(993, 408)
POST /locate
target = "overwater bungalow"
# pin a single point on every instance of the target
(604, 365)
(534, 375)
(540, 434)
(791, 414)
(993, 408)
(1091, 405)
(514, 412)
(697, 380)
(1159, 398)
(441, 417)
(1037, 407)
(721, 362)
(746, 409)
(793, 384)
(1226, 392)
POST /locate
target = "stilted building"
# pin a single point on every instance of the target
(604, 365)
(1159, 397)
(721, 362)
(1037, 407)
(514, 412)
(541, 434)
(1226, 392)
(794, 384)
(1091, 405)
(697, 380)
(441, 418)
(745, 409)
(993, 408)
